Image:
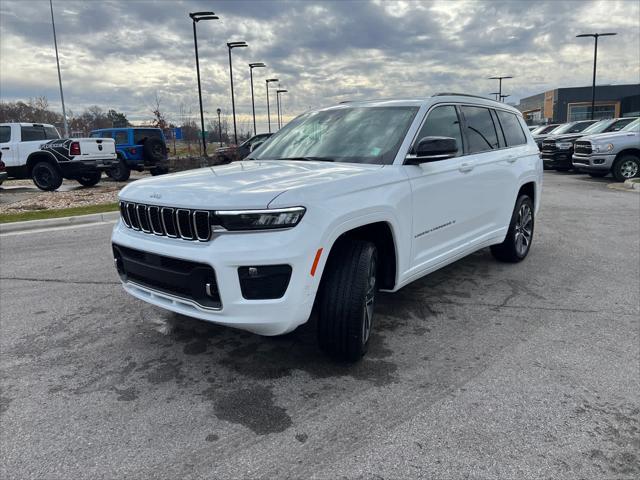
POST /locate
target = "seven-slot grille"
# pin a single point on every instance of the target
(167, 221)
(582, 147)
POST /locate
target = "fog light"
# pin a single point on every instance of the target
(598, 161)
(264, 282)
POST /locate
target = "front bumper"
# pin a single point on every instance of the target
(225, 253)
(557, 159)
(594, 162)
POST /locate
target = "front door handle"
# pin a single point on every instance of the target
(5, 148)
(466, 167)
(512, 159)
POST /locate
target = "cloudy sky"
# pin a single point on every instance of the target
(120, 54)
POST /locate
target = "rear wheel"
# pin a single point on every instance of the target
(120, 173)
(626, 167)
(46, 176)
(347, 299)
(517, 243)
(89, 179)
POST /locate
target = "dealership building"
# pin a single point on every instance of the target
(570, 104)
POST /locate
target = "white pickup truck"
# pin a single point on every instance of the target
(36, 151)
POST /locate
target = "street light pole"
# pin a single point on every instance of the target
(278, 92)
(268, 81)
(55, 42)
(253, 105)
(500, 84)
(231, 46)
(595, 57)
(196, 17)
(219, 127)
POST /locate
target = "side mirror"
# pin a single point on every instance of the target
(255, 145)
(430, 149)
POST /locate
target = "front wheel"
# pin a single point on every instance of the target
(626, 167)
(46, 176)
(120, 173)
(517, 243)
(347, 298)
(89, 179)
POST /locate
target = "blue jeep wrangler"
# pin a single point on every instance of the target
(138, 148)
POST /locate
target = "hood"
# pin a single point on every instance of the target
(564, 138)
(238, 185)
(604, 137)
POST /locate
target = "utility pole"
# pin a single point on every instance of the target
(55, 42)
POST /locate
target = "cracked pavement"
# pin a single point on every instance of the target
(479, 370)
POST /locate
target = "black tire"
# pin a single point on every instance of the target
(120, 173)
(598, 174)
(347, 298)
(155, 150)
(89, 179)
(626, 167)
(517, 243)
(158, 171)
(46, 176)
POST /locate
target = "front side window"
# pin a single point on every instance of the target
(442, 122)
(480, 130)
(32, 133)
(5, 134)
(633, 126)
(511, 128)
(342, 134)
(619, 124)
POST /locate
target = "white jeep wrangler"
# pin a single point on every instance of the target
(341, 202)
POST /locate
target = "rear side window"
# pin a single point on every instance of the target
(480, 130)
(107, 134)
(32, 133)
(51, 133)
(5, 134)
(122, 138)
(442, 122)
(141, 135)
(511, 128)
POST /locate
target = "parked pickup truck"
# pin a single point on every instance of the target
(36, 151)
(341, 202)
(616, 152)
(557, 150)
(138, 148)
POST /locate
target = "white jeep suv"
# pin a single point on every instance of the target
(341, 202)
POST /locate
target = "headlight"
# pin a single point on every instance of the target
(603, 148)
(237, 220)
(564, 145)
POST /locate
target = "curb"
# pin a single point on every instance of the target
(633, 183)
(58, 222)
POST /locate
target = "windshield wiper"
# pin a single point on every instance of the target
(310, 159)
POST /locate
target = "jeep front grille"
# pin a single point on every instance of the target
(167, 221)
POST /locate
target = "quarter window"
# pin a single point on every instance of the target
(512, 129)
(442, 122)
(122, 138)
(5, 134)
(480, 130)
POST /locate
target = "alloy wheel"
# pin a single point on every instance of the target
(523, 229)
(629, 169)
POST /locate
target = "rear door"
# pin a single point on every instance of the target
(7, 146)
(491, 161)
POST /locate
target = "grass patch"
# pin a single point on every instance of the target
(62, 212)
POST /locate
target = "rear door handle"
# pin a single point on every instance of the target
(5, 148)
(466, 167)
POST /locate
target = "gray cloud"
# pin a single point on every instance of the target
(120, 54)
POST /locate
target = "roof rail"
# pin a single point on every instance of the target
(453, 94)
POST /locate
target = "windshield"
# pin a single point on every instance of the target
(544, 129)
(343, 134)
(571, 128)
(598, 127)
(633, 126)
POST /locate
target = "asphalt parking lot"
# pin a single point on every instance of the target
(480, 370)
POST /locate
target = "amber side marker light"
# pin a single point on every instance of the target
(315, 262)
